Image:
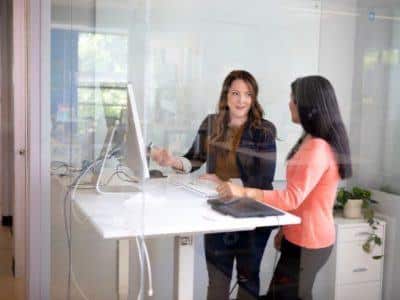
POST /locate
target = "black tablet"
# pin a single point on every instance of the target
(243, 207)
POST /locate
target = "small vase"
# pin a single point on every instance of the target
(353, 209)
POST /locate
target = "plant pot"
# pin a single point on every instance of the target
(353, 209)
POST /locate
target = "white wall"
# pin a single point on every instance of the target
(190, 47)
(336, 51)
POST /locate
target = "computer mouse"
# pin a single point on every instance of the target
(156, 174)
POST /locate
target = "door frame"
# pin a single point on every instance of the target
(31, 67)
(39, 254)
(19, 149)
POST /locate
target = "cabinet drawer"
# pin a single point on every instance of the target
(364, 291)
(359, 233)
(355, 265)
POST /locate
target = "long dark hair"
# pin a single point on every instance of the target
(255, 113)
(320, 117)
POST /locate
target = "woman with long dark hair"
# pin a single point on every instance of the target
(315, 165)
(235, 143)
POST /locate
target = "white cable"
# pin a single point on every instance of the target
(150, 292)
(77, 181)
(75, 186)
(138, 245)
(104, 161)
(71, 274)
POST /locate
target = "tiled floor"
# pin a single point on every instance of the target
(10, 288)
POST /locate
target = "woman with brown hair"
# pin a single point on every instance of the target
(235, 143)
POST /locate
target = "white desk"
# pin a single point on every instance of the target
(164, 209)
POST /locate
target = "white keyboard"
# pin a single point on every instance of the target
(205, 188)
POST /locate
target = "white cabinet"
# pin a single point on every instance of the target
(364, 291)
(351, 273)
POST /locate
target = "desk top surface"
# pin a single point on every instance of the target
(162, 209)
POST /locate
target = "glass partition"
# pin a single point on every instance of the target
(176, 55)
(89, 74)
(377, 64)
(359, 54)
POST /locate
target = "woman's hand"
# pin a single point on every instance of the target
(163, 157)
(211, 177)
(228, 189)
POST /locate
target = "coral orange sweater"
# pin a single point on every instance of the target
(312, 178)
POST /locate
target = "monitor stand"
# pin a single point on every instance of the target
(113, 189)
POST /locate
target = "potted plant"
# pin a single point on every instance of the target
(358, 203)
(353, 201)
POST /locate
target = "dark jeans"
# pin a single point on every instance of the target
(295, 273)
(247, 247)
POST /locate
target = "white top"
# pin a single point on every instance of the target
(162, 209)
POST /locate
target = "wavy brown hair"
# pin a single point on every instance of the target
(256, 112)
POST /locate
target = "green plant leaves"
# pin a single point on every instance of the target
(360, 193)
(343, 196)
(377, 240)
(377, 256)
(367, 247)
(356, 193)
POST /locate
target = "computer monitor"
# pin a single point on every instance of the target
(127, 136)
(135, 146)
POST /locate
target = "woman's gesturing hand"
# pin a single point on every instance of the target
(162, 157)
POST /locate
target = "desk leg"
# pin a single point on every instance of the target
(123, 269)
(184, 266)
